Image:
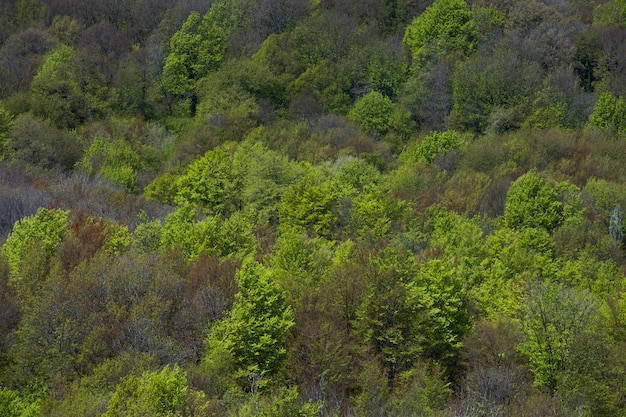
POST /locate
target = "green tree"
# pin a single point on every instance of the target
(13, 405)
(156, 394)
(40, 143)
(253, 335)
(610, 13)
(308, 205)
(114, 160)
(30, 12)
(195, 50)
(609, 114)
(533, 202)
(266, 175)
(43, 230)
(6, 122)
(445, 26)
(551, 318)
(435, 143)
(373, 112)
(212, 183)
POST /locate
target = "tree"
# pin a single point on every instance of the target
(487, 83)
(114, 160)
(551, 318)
(445, 26)
(434, 144)
(13, 405)
(212, 183)
(308, 205)
(253, 336)
(195, 50)
(43, 230)
(20, 56)
(373, 112)
(609, 114)
(532, 202)
(6, 122)
(266, 175)
(155, 394)
(610, 13)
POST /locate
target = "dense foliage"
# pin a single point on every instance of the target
(312, 208)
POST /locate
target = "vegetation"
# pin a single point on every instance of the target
(312, 208)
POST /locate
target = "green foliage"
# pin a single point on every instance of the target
(609, 114)
(52, 63)
(253, 335)
(533, 202)
(195, 50)
(266, 175)
(551, 318)
(114, 160)
(158, 394)
(374, 212)
(38, 142)
(393, 318)
(13, 405)
(373, 112)
(421, 391)
(448, 316)
(432, 145)
(610, 13)
(6, 122)
(43, 230)
(279, 54)
(183, 229)
(328, 85)
(31, 12)
(212, 183)
(445, 26)
(308, 205)
(487, 84)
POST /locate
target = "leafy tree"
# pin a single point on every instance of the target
(328, 86)
(266, 176)
(20, 56)
(392, 318)
(373, 112)
(487, 83)
(610, 13)
(66, 29)
(308, 205)
(253, 335)
(551, 318)
(532, 202)
(40, 143)
(114, 160)
(432, 145)
(609, 114)
(160, 394)
(445, 26)
(373, 213)
(183, 230)
(212, 183)
(195, 50)
(43, 230)
(449, 316)
(6, 122)
(13, 405)
(280, 55)
(52, 62)
(326, 36)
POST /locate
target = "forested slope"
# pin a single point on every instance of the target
(312, 208)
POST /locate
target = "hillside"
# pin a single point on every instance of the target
(312, 208)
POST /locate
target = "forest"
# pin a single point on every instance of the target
(329, 208)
